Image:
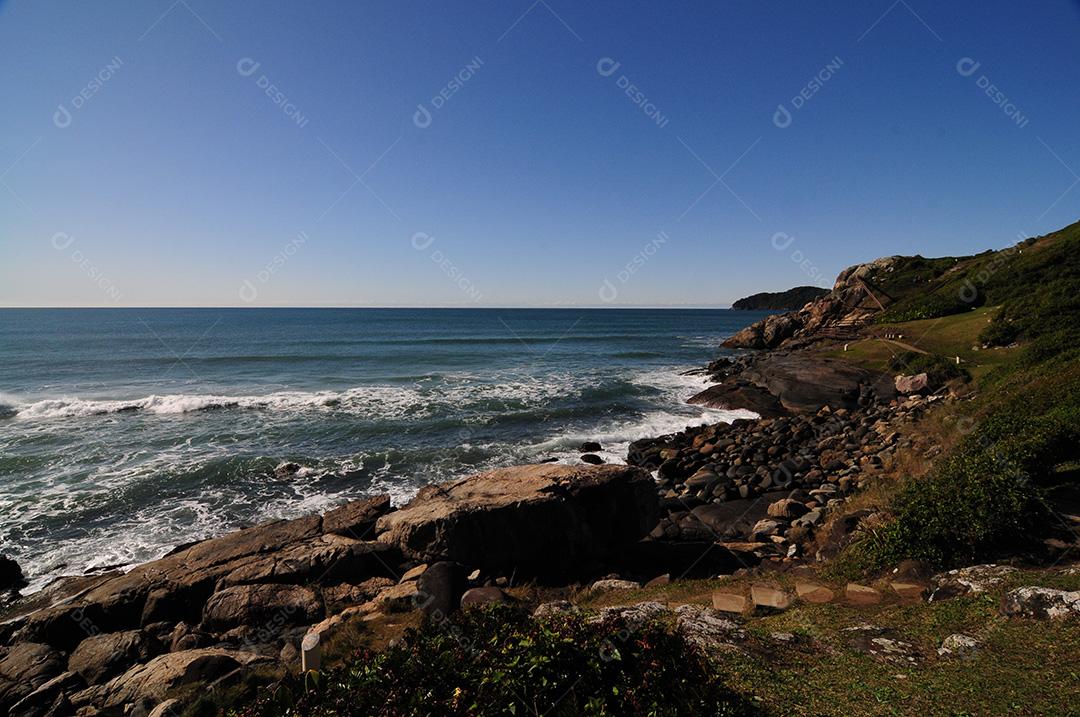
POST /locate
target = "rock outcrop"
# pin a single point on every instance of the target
(118, 642)
(852, 303)
(545, 520)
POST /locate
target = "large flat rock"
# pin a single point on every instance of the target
(544, 520)
(797, 382)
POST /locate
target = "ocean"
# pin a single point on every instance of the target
(124, 432)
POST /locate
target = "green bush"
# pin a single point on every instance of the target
(502, 661)
(987, 497)
(938, 369)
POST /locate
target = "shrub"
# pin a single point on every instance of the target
(938, 369)
(987, 497)
(501, 661)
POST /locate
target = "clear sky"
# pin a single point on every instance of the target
(516, 153)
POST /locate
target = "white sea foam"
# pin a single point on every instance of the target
(379, 401)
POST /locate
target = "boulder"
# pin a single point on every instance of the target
(101, 657)
(1041, 603)
(483, 596)
(974, 579)
(734, 394)
(24, 668)
(356, 519)
(614, 584)
(541, 520)
(733, 518)
(910, 385)
(11, 576)
(685, 559)
(266, 608)
(804, 382)
(729, 602)
(149, 683)
(440, 588)
(958, 645)
(787, 508)
(862, 594)
(50, 698)
(770, 597)
(708, 629)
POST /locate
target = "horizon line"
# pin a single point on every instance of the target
(698, 307)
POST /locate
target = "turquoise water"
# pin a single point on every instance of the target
(126, 431)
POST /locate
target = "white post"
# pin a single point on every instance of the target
(310, 652)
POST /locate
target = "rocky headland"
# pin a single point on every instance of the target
(782, 300)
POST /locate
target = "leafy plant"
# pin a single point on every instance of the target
(500, 660)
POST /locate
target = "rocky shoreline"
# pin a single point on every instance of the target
(725, 498)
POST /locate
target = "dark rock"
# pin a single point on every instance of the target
(541, 520)
(287, 469)
(439, 588)
(592, 458)
(100, 657)
(148, 684)
(11, 576)
(50, 699)
(590, 447)
(681, 559)
(483, 596)
(24, 668)
(739, 394)
(734, 517)
(263, 607)
(356, 519)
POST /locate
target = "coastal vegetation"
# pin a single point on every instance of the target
(995, 492)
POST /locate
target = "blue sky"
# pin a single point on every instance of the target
(601, 153)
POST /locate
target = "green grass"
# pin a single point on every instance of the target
(947, 337)
(1022, 346)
